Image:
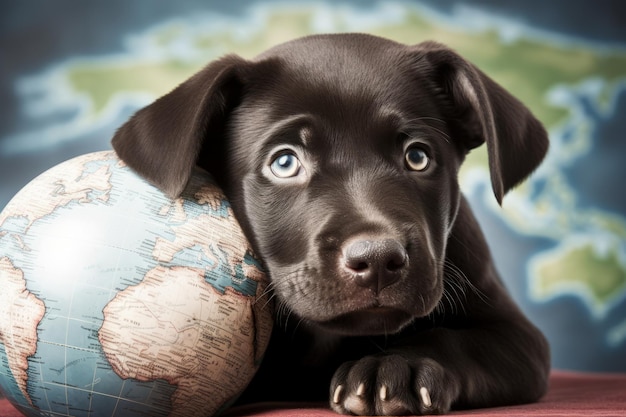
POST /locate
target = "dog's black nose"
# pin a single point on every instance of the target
(375, 264)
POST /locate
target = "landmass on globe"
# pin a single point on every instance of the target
(21, 311)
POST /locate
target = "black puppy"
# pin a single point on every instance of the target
(340, 156)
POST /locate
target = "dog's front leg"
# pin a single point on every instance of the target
(433, 371)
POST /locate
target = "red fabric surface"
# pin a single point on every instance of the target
(571, 394)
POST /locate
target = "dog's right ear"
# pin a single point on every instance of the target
(516, 140)
(162, 141)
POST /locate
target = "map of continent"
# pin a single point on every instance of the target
(20, 310)
(150, 331)
(191, 233)
(153, 330)
(73, 186)
(601, 291)
(20, 313)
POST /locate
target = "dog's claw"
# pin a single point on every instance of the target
(382, 394)
(425, 396)
(337, 394)
(360, 390)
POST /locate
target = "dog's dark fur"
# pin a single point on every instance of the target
(383, 280)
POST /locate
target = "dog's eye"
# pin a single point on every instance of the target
(285, 165)
(416, 159)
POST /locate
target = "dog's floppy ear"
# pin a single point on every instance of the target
(516, 140)
(162, 141)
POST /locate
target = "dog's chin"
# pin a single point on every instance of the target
(367, 322)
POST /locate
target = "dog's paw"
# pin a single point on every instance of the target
(391, 385)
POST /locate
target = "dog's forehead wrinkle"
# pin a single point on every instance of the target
(293, 130)
(298, 122)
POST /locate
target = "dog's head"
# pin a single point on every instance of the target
(340, 156)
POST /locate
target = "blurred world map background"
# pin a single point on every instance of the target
(72, 72)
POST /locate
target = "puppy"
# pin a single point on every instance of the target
(340, 156)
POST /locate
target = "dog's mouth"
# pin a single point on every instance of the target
(368, 322)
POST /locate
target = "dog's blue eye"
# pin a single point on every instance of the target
(416, 159)
(285, 165)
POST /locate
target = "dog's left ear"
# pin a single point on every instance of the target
(162, 142)
(516, 140)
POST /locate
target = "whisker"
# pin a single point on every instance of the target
(283, 313)
(458, 280)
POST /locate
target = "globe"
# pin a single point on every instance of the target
(119, 301)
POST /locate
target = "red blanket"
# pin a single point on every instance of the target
(570, 394)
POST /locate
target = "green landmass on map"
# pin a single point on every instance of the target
(601, 276)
